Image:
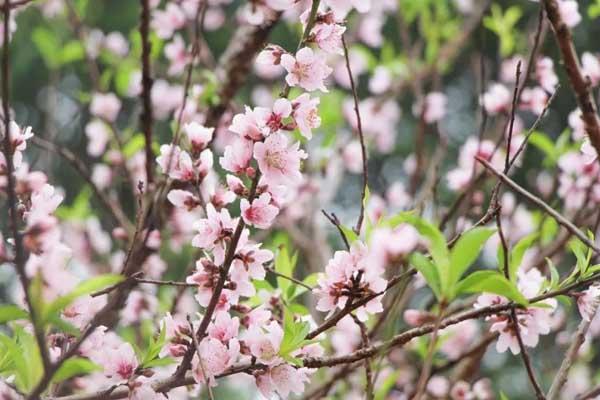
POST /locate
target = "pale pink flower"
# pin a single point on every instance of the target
(435, 107)
(381, 80)
(508, 69)
(224, 328)
(590, 67)
(264, 342)
(116, 43)
(352, 157)
(342, 7)
(105, 106)
(306, 114)
(282, 380)
(390, 246)
(260, 213)
(576, 123)
(461, 391)
(341, 275)
(307, 70)
(183, 199)
(438, 386)
(252, 124)
(213, 229)
(534, 99)
(569, 12)
(271, 55)
(588, 151)
(237, 156)
(198, 135)
(327, 34)
(166, 21)
(176, 162)
(216, 358)
(496, 99)
(98, 135)
(176, 52)
(19, 137)
(587, 302)
(544, 71)
(280, 5)
(279, 162)
(120, 363)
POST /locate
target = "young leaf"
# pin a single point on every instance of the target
(429, 272)
(465, 251)
(437, 248)
(490, 282)
(73, 367)
(86, 287)
(10, 312)
(517, 253)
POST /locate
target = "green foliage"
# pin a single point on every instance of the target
(75, 366)
(10, 312)
(594, 9)
(551, 148)
(490, 282)
(503, 25)
(79, 209)
(151, 356)
(54, 53)
(444, 271)
(294, 334)
(20, 356)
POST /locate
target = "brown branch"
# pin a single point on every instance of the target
(361, 136)
(289, 278)
(20, 256)
(369, 394)
(336, 222)
(146, 118)
(579, 83)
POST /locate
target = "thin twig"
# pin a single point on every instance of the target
(369, 393)
(336, 222)
(540, 204)
(361, 137)
(146, 118)
(571, 355)
(200, 362)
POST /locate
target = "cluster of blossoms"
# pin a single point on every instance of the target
(533, 321)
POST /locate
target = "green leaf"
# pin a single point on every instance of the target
(71, 51)
(75, 366)
(466, 250)
(10, 312)
(48, 45)
(294, 334)
(517, 253)
(429, 272)
(351, 236)
(135, 144)
(437, 248)
(86, 287)
(490, 282)
(154, 347)
(554, 275)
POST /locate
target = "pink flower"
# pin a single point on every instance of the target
(588, 151)
(343, 7)
(177, 54)
(305, 114)
(271, 55)
(278, 162)
(348, 272)
(264, 342)
(461, 391)
(306, 70)
(569, 12)
(183, 199)
(216, 358)
(587, 302)
(496, 99)
(534, 99)
(120, 363)
(19, 137)
(98, 135)
(167, 21)
(224, 328)
(214, 229)
(544, 70)
(576, 124)
(176, 162)
(198, 135)
(105, 106)
(237, 156)
(282, 379)
(252, 125)
(326, 32)
(435, 107)
(116, 44)
(260, 213)
(381, 80)
(590, 67)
